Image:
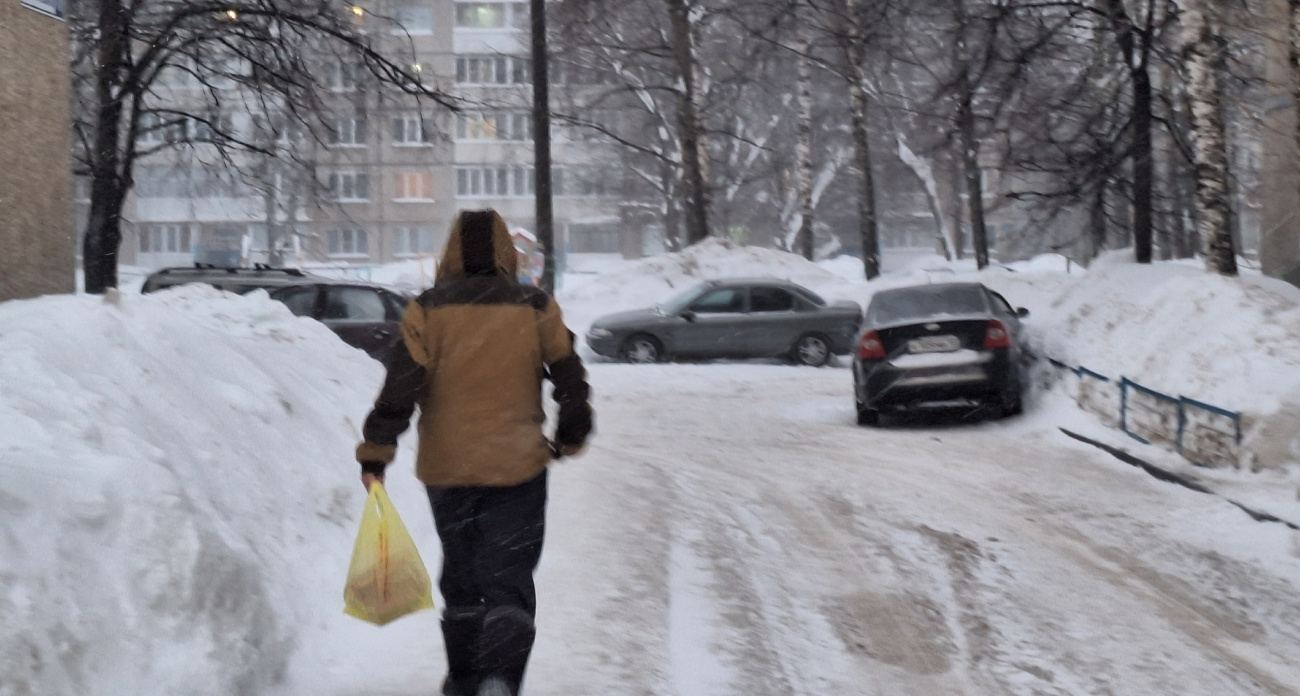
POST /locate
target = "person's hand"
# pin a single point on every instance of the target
(369, 479)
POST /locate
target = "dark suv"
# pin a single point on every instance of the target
(236, 280)
(364, 315)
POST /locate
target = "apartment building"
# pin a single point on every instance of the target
(390, 173)
(36, 240)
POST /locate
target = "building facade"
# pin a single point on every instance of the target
(36, 228)
(390, 174)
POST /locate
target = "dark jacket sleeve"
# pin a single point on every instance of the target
(572, 394)
(391, 415)
(566, 372)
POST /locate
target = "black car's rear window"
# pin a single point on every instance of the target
(925, 302)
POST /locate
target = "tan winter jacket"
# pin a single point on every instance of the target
(476, 348)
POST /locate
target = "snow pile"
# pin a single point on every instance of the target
(1183, 331)
(1233, 343)
(177, 495)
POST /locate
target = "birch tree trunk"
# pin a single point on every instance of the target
(1202, 22)
(803, 149)
(868, 223)
(925, 173)
(688, 120)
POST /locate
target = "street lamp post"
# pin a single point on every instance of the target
(542, 146)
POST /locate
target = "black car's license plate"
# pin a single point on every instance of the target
(933, 344)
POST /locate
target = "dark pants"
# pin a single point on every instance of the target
(491, 543)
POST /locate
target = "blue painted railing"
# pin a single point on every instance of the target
(1195, 435)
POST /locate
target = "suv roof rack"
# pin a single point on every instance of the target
(232, 270)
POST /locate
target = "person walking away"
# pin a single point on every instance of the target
(474, 351)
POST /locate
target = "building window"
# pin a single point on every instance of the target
(411, 130)
(349, 186)
(209, 128)
(159, 129)
(165, 239)
(284, 131)
(419, 74)
(413, 186)
(412, 241)
(344, 77)
(349, 132)
(413, 19)
(524, 180)
(348, 242)
(496, 182)
(495, 125)
(153, 130)
(492, 70)
(476, 126)
(518, 126)
(481, 15)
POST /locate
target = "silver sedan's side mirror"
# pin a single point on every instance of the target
(1022, 312)
(688, 315)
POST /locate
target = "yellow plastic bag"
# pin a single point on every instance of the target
(387, 579)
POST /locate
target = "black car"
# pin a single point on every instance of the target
(365, 316)
(757, 318)
(938, 344)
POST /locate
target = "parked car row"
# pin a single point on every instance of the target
(916, 346)
(364, 315)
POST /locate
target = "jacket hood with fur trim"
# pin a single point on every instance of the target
(479, 245)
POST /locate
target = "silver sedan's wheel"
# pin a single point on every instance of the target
(642, 349)
(812, 350)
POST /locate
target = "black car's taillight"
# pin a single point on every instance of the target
(996, 335)
(870, 347)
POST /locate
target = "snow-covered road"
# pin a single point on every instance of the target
(180, 503)
(732, 532)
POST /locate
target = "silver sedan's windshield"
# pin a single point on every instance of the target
(683, 300)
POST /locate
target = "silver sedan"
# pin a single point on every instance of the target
(732, 319)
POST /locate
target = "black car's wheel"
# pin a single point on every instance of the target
(812, 350)
(868, 416)
(642, 348)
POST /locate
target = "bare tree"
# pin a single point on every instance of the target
(684, 15)
(259, 56)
